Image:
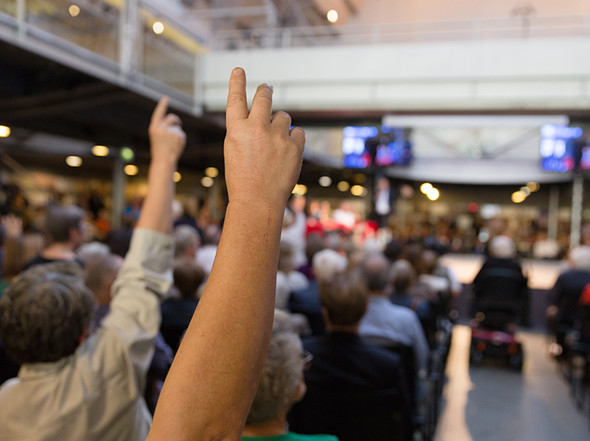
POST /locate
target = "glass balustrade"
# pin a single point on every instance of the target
(90, 24)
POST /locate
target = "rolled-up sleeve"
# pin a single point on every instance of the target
(134, 314)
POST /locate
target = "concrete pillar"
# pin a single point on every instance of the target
(119, 184)
(553, 208)
(576, 212)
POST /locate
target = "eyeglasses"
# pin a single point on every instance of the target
(307, 358)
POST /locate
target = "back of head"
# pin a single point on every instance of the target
(313, 245)
(429, 261)
(281, 375)
(188, 276)
(186, 240)
(211, 235)
(286, 254)
(100, 275)
(344, 298)
(61, 219)
(579, 258)
(92, 252)
(376, 269)
(402, 276)
(502, 247)
(328, 262)
(44, 312)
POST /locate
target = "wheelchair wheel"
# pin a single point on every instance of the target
(475, 357)
(516, 361)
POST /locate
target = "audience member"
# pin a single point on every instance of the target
(384, 319)
(281, 385)
(186, 241)
(313, 244)
(326, 264)
(402, 278)
(91, 252)
(567, 290)
(76, 386)
(288, 278)
(178, 310)
(66, 229)
(207, 252)
(500, 288)
(99, 277)
(294, 228)
(347, 367)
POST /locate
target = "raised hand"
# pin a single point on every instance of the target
(13, 226)
(263, 155)
(166, 135)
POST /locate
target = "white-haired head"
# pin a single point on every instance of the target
(327, 263)
(579, 258)
(502, 247)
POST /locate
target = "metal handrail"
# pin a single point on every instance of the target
(385, 33)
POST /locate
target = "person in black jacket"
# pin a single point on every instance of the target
(346, 367)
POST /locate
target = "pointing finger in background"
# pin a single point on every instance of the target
(160, 110)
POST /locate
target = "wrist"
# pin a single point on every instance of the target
(267, 213)
(163, 165)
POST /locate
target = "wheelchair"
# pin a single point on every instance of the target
(499, 303)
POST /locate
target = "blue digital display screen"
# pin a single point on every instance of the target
(559, 147)
(365, 147)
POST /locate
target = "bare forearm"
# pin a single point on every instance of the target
(156, 213)
(215, 373)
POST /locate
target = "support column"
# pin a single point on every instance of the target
(119, 184)
(576, 216)
(128, 38)
(553, 208)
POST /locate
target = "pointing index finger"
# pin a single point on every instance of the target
(160, 110)
(237, 104)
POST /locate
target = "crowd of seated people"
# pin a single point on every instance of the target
(84, 370)
(180, 327)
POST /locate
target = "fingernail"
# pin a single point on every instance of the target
(237, 71)
(270, 86)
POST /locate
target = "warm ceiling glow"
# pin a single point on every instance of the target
(533, 186)
(212, 172)
(131, 170)
(74, 161)
(325, 181)
(299, 189)
(4, 131)
(158, 27)
(433, 194)
(207, 181)
(100, 150)
(74, 10)
(358, 190)
(426, 187)
(343, 186)
(332, 16)
(177, 177)
(518, 197)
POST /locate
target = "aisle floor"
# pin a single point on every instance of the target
(495, 403)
